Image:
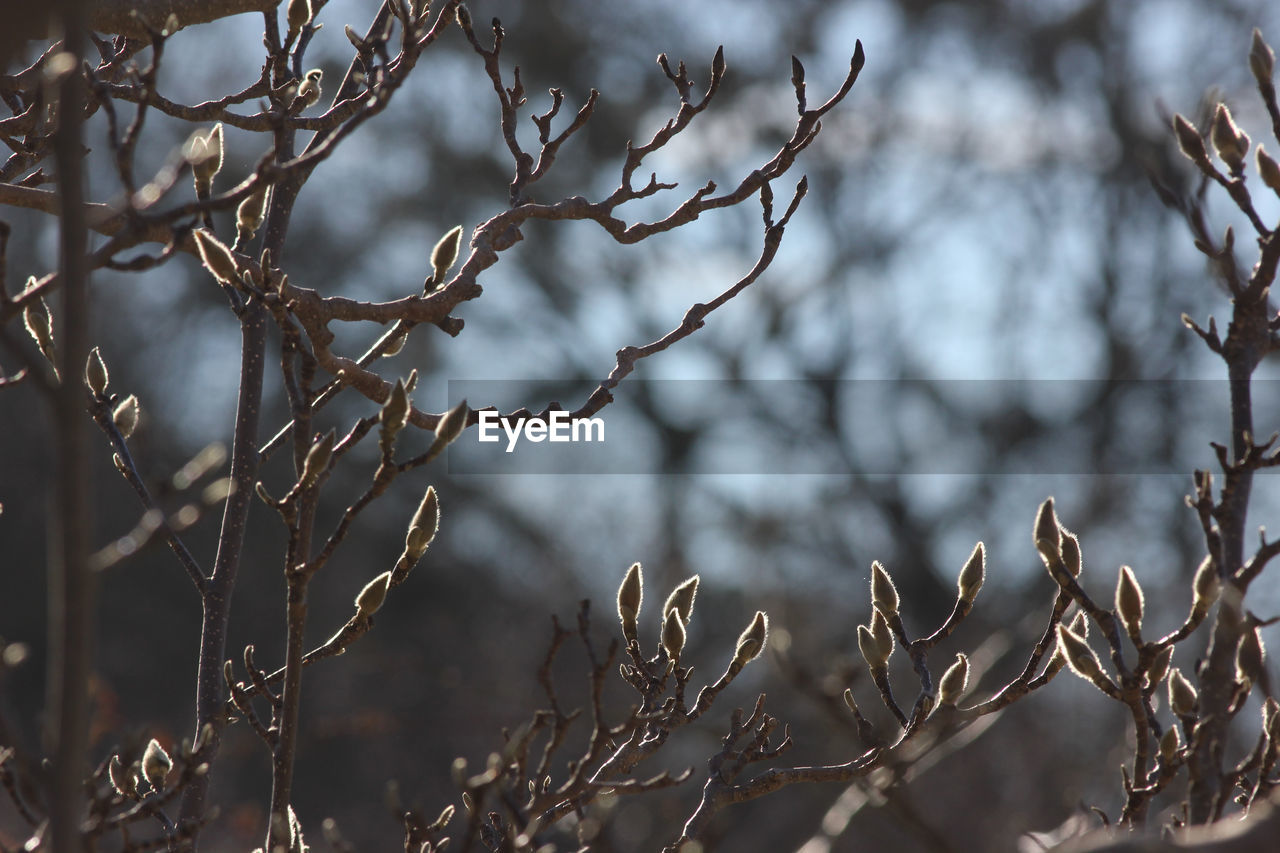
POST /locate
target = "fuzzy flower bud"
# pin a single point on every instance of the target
(1080, 656)
(751, 641)
(1071, 557)
(884, 595)
(450, 425)
(252, 211)
(156, 764)
(38, 319)
(673, 634)
(317, 459)
(1190, 142)
(954, 681)
(1160, 666)
(126, 415)
(681, 600)
(1169, 743)
(445, 253)
(1204, 587)
(1129, 601)
(299, 15)
(373, 595)
(1262, 60)
(1229, 140)
(1047, 535)
(1250, 657)
(217, 258)
(204, 153)
(95, 373)
(630, 598)
(423, 527)
(124, 782)
(1182, 696)
(972, 575)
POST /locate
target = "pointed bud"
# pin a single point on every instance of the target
(373, 595)
(849, 701)
(1190, 141)
(252, 211)
(1262, 60)
(39, 322)
(124, 782)
(317, 459)
(171, 25)
(298, 15)
(1182, 696)
(954, 681)
(1071, 557)
(870, 651)
(1048, 537)
(394, 346)
(125, 415)
(423, 527)
(95, 373)
(354, 38)
(217, 258)
(1169, 743)
(884, 595)
(451, 424)
(156, 764)
(681, 600)
(445, 253)
(673, 634)
(1129, 601)
(630, 598)
(1080, 656)
(1160, 666)
(1205, 587)
(1268, 169)
(973, 574)
(882, 634)
(1229, 141)
(395, 412)
(751, 641)
(1250, 656)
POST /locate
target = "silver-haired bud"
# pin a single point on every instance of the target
(681, 600)
(1129, 601)
(884, 595)
(630, 598)
(1182, 696)
(973, 574)
(954, 681)
(1229, 140)
(1048, 536)
(373, 595)
(126, 415)
(1079, 654)
(95, 373)
(1262, 59)
(752, 640)
(156, 764)
(445, 253)
(317, 459)
(673, 634)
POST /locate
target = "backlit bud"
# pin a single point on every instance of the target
(125, 415)
(95, 373)
(451, 424)
(1080, 656)
(373, 595)
(1190, 141)
(1204, 587)
(39, 322)
(673, 634)
(1250, 656)
(1071, 557)
(1169, 744)
(423, 527)
(681, 600)
(1271, 718)
(395, 412)
(1182, 696)
(156, 764)
(751, 641)
(882, 634)
(630, 598)
(1129, 601)
(1229, 140)
(299, 15)
(1048, 537)
(317, 459)
(124, 782)
(1160, 666)
(217, 258)
(1262, 60)
(954, 681)
(972, 575)
(884, 595)
(445, 253)
(849, 701)
(204, 153)
(252, 211)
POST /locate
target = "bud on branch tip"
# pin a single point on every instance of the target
(630, 598)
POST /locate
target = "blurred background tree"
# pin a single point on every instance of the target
(977, 306)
